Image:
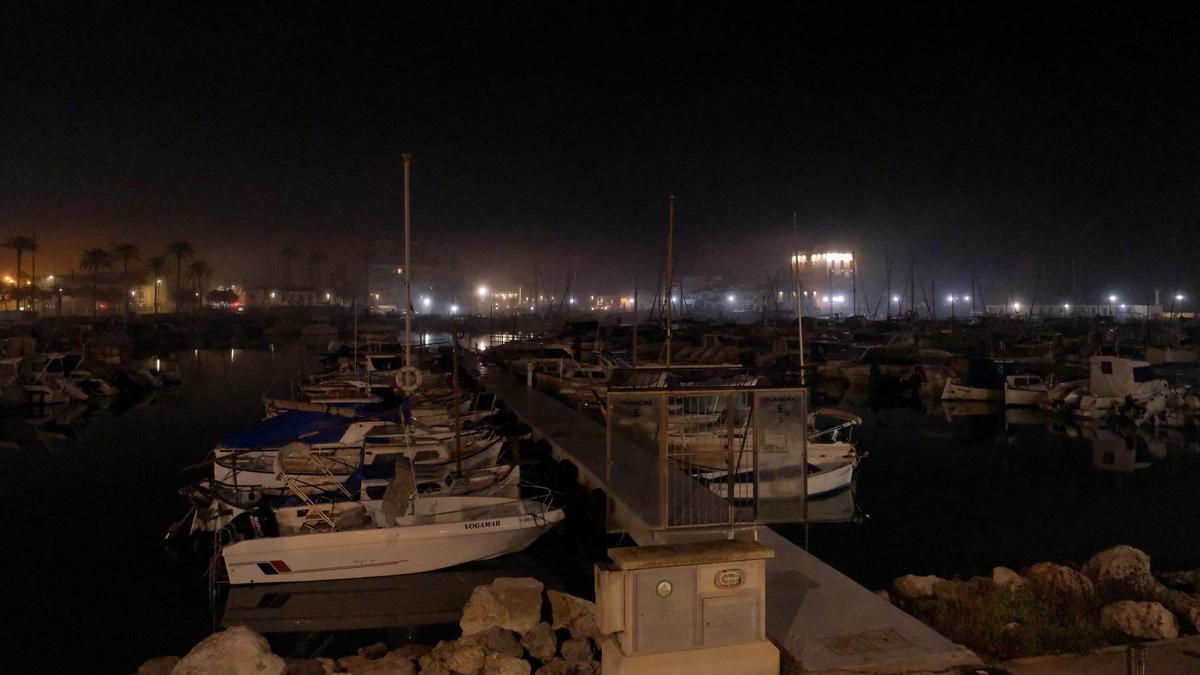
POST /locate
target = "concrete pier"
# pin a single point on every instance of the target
(817, 615)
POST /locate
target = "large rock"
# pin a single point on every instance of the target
(467, 660)
(310, 666)
(501, 664)
(913, 587)
(1143, 620)
(495, 639)
(575, 614)
(563, 667)
(158, 666)
(951, 590)
(389, 664)
(577, 649)
(1061, 584)
(541, 642)
(514, 603)
(1007, 579)
(1121, 572)
(233, 651)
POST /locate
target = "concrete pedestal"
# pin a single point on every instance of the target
(753, 658)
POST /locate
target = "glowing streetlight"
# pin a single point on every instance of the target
(133, 294)
(1016, 306)
(454, 309)
(328, 296)
(272, 293)
(572, 301)
(895, 298)
(731, 298)
(1179, 297)
(966, 298)
(426, 301)
(482, 291)
(1112, 298)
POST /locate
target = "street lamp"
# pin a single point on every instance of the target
(1111, 300)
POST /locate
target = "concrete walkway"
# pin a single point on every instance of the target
(820, 617)
(1165, 657)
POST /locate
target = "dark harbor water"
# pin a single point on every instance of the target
(959, 491)
(88, 587)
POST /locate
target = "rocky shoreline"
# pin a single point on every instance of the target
(1049, 608)
(506, 630)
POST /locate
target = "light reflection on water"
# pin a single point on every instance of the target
(958, 489)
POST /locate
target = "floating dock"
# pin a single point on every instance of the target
(821, 618)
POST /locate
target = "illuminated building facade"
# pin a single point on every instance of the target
(827, 281)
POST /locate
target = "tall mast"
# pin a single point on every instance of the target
(670, 276)
(799, 297)
(408, 309)
(635, 324)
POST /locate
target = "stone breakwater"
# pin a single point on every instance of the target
(1048, 607)
(507, 629)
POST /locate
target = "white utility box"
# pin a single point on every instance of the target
(695, 608)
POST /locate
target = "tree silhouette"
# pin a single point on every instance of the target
(156, 264)
(95, 259)
(181, 250)
(20, 245)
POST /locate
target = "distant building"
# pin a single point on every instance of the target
(435, 285)
(827, 281)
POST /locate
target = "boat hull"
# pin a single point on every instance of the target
(381, 552)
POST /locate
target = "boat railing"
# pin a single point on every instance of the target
(541, 498)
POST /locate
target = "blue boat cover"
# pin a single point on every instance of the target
(286, 427)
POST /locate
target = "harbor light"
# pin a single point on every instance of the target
(1016, 306)
(949, 298)
(327, 296)
(1067, 306)
(133, 294)
(825, 298)
(426, 301)
(454, 309)
(730, 298)
(482, 291)
(1112, 298)
(1122, 306)
(966, 298)
(158, 282)
(272, 292)
(895, 298)
(571, 301)
(1179, 297)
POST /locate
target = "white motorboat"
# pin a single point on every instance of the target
(955, 390)
(403, 533)
(785, 483)
(217, 504)
(1024, 390)
(320, 468)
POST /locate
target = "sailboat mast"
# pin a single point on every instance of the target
(635, 324)
(670, 275)
(799, 297)
(408, 308)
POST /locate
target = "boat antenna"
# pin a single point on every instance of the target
(799, 297)
(670, 278)
(408, 309)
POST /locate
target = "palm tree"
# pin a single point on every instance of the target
(125, 252)
(315, 260)
(288, 253)
(94, 259)
(199, 272)
(182, 251)
(156, 265)
(20, 245)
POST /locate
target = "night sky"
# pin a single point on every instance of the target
(951, 135)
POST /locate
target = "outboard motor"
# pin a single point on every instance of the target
(254, 524)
